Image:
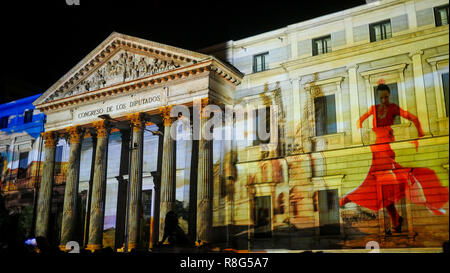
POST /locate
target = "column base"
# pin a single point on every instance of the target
(93, 248)
(202, 243)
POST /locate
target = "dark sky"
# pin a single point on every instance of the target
(42, 40)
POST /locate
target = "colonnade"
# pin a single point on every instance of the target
(101, 130)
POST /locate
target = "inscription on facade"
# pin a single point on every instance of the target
(132, 103)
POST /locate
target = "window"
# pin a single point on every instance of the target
(262, 122)
(445, 85)
(23, 164)
(28, 116)
(325, 115)
(380, 31)
(441, 15)
(393, 98)
(260, 62)
(4, 122)
(321, 45)
(262, 214)
(329, 212)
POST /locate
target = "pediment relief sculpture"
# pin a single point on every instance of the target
(122, 63)
(122, 67)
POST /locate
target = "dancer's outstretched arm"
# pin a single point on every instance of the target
(364, 117)
(407, 115)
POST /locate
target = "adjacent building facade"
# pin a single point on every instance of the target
(20, 158)
(329, 174)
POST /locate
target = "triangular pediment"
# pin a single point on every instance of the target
(122, 67)
(119, 59)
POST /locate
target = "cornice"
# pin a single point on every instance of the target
(112, 45)
(150, 81)
(366, 48)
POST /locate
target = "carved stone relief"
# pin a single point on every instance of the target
(124, 66)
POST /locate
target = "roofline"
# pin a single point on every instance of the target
(327, 18)
(110, 40)
(26, 100)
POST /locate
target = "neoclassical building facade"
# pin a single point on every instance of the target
(329, 175)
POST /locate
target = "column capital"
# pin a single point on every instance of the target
(417, 52)
(50, 138)
(125, 134)
(137, 120)
(75, 134)
(102, 128)
(353, 66)
(165, 113)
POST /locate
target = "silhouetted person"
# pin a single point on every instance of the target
(45, 248)
(173, 232)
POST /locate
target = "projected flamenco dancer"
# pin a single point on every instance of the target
(420, 185)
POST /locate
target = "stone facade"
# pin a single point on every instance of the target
(288, 193)
(308, 163)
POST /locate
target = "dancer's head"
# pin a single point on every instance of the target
(383, 92)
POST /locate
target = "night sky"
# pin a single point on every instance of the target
(42, 40)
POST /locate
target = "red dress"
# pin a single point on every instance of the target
(387, 181)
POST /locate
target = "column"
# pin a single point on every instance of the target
(354, 103)
(97, 205)
(71, 188)
(419, 86)
(135, 178)
(204, 184)
(45, 190)
(167, 171)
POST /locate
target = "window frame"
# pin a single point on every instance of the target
(264, 66)
(250, 104)
(325, 121)
(379, 23)
(446, 106)
(28, 116)
(436, 12)
(22, 174)
(337, 81)
(257, 141)
(269, 234)
(315, 51)
(374, 87)
(439, 65)
(2, 120)
(331, 182)
(321, 225)
(391, 74)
